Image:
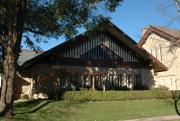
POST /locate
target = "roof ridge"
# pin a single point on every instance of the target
(170, 31)
(156, 26)
(39, 51)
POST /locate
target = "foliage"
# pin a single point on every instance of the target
(141, 87)
(25, 96)
(82, 96)
(54, 18)
(122, 88)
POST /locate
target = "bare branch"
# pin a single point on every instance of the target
(178, 6)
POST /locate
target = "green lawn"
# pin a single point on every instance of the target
(48, 110)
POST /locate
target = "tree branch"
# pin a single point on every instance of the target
(34, 31)
(178, 6)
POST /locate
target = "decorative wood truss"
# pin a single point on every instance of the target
(100, 50)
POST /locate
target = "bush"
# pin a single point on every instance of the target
(141, 87)
(25, 96)
(121, 88)
(82, 96)
(161, 87)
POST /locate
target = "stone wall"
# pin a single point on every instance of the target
(45, 78)
(22, 86)
(160, 48)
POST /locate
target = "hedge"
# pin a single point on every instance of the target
(82, 96)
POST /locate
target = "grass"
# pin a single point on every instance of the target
(48, 110)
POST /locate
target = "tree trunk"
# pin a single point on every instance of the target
(9, 67)
(14, 23)
(9, 74)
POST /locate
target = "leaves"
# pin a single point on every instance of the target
(112, 4)
(54, 18)
(63, 17)
(31, 44)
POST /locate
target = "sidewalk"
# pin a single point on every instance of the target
(160, 118)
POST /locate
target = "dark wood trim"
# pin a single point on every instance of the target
(156, 31)
(103, 63)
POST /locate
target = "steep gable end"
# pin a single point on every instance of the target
(171, 35)
(158, 40)
(108, 46)
(102, 46)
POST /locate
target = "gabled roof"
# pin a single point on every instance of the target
(116, 32)
(172, 35)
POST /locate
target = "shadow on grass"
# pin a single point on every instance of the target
(34, 105)
(37, 104)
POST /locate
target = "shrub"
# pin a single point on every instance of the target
(121, 88)
(82, 96)
(25, 96)
(161, 87)
(141, 87)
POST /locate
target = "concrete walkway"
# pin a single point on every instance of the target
(160, 118)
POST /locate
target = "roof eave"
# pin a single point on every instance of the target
(156, 31)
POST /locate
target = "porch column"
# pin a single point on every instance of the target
(104, 83)
(31, 90)
(93, 83)
(131, 81)
(107, 80)
(82, 83)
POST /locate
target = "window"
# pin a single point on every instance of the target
(160, 52)
(1, 52)
(137, 80)
(0, 81)
(120, 79)
(128, 78)
(151, 51)
(171, 81)
(156, 53)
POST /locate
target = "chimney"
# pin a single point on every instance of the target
(144, 30)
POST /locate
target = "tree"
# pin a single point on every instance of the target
(178, 6)
(170, 12)
(48, 18)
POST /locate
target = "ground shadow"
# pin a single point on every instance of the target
(35, 105)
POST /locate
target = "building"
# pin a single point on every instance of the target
(102, 59)
(23, 85)
(163, 44)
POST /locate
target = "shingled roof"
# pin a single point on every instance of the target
(173, 32)
(26, 55)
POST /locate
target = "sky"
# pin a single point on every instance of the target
(134, 15)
